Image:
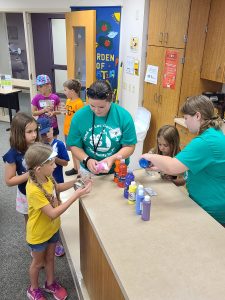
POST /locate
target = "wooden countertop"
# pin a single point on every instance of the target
(178, 254)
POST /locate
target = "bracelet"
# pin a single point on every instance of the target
(86, 160)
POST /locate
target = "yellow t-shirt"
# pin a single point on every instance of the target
(71, 107)
(40, 228)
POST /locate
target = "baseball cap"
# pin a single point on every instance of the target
(42, 79)
(44, 125)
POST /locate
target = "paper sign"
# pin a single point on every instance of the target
(129, 67)
(152, 74)
(170, 69)
(6, 82)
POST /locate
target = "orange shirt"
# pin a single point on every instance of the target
(71, 106)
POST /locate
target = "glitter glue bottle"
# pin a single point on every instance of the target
(146, 206)
(140, 194)
(122, 173)
(144, 163)
(116, 171)
(129, 177)
(102, 166)
(132, 192)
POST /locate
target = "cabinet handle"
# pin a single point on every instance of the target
(166, 37)
(155, 97)
(161, 37)
(160, 99)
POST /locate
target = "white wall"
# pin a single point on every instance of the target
(133, 24)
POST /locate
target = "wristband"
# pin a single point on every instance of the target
(86, 160)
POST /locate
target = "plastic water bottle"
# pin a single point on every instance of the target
(132, 192)
(140, 194)
(122, 173)
(116, 171)
(144, 163)
(146, 206)
(129, 177)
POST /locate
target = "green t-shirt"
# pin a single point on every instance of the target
(205, 158)
(109, 132)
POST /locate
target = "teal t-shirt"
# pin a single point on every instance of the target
(205, 158)
(109, 132)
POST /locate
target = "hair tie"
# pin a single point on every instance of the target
(214, 118)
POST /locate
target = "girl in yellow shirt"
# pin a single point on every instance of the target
(73, 104)
(44, 209)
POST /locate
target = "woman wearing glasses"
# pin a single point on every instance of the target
(101, 131)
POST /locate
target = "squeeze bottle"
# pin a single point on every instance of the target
(132, 192)
(146, 206)
(129, 177)
(122, 173)
(116, 171)
(139, 199)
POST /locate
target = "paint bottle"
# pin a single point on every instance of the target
(144, 163)
(129, 177)
(116, 171)
(122, 173)
(146, 206)
(140, 194)
(132, 192)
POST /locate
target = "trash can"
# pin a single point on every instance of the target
(142, 122)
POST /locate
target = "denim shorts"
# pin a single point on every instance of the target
(41, 247)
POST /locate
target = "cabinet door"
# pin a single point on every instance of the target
(161, 102)
(176, 24)
(168, 21)
(168, 97)
(151, 93)
(214, 53)
(157, 19)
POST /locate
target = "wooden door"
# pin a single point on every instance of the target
(156, 25)
(176, 24)
(86, 20)
(168, 97)
(213, 66)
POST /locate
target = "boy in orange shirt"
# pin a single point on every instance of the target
(73, 104)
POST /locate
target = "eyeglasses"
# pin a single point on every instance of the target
(50, 158)
(97, 95)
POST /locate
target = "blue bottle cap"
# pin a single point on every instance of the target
(144, 163)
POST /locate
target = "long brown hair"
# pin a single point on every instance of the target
(17, 131)
(36, 155)
(171, 136)
(204, 106)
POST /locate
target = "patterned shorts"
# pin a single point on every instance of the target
(21, 203)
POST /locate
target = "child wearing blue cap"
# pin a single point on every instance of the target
(61, 160)
(45, 103)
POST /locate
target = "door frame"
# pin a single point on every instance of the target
(85, 19)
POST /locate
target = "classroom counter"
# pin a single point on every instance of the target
(178, 254)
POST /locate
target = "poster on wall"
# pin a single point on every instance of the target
(107, 42)
(170, 69)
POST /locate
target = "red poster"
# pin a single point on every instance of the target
(170, 69)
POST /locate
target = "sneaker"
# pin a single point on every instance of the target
(59, 249)
(71, 172)
(36, 294)
(58, 292)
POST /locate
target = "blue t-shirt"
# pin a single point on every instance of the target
(15, 157)
(110, 132)
(62, 154)
(205, 158)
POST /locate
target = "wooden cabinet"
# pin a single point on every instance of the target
(185, 135)
(161, 102)
(213, 66)
(192, 84)
(168, 23)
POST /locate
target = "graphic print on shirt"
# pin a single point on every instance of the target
(109, 138)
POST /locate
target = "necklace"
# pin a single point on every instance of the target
(93, 129)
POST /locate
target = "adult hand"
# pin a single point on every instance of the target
(91, 165)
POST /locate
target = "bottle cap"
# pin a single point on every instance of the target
(147, 198)
(133, 182)
(122, 160)
(140, 186)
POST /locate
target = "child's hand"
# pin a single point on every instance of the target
(85, 190)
